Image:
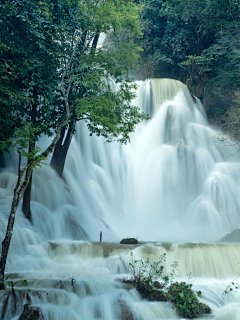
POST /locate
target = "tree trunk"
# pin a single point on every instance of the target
(7, 240)
(61, 149)
(26, 205)
(17, 196)
(26, 208)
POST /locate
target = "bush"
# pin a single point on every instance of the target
(143, 273)
(185, 301)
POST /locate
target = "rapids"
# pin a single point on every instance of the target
(172, 187)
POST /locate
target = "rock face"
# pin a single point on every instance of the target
(129, 241)
(31, 313)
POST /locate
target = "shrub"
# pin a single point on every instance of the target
(143, 273)
(185, 300)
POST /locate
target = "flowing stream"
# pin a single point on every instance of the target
(175, 187)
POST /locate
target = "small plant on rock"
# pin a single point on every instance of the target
(155, 285)
(232, 286)
(149, 277)
(185, 301)
(11, 285)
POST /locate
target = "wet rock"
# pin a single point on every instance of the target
(126, 313)
(154, 295)
(157, 285)
(128, 286)
(206, 309)
(129, 241)
(31, 313)
(149, 293)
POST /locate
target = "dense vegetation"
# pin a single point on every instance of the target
(197, 42)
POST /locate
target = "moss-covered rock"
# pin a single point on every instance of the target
(154, 295)
(147, 291)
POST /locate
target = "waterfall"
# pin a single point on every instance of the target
(172, 186)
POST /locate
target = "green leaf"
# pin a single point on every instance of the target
(24, 283)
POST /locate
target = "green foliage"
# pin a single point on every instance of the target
(12, 285)
(196, 42)
(55, 51)
(110, 114)
(29, 62)
(185, 300)
(20, 140)
(143, 273)
(149, 277)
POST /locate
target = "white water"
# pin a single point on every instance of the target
(171, 184)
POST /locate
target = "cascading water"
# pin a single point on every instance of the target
(170, 185)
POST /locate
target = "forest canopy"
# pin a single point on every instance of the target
(197, 42)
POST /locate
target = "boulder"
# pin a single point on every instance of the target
(157, 285)
(129, 241)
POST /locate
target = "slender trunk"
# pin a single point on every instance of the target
(26, 205)
(61, 149)
(7, 240)
(26, 208)
(17, 196)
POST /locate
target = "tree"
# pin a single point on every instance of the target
(93, 70)
(81, 85)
